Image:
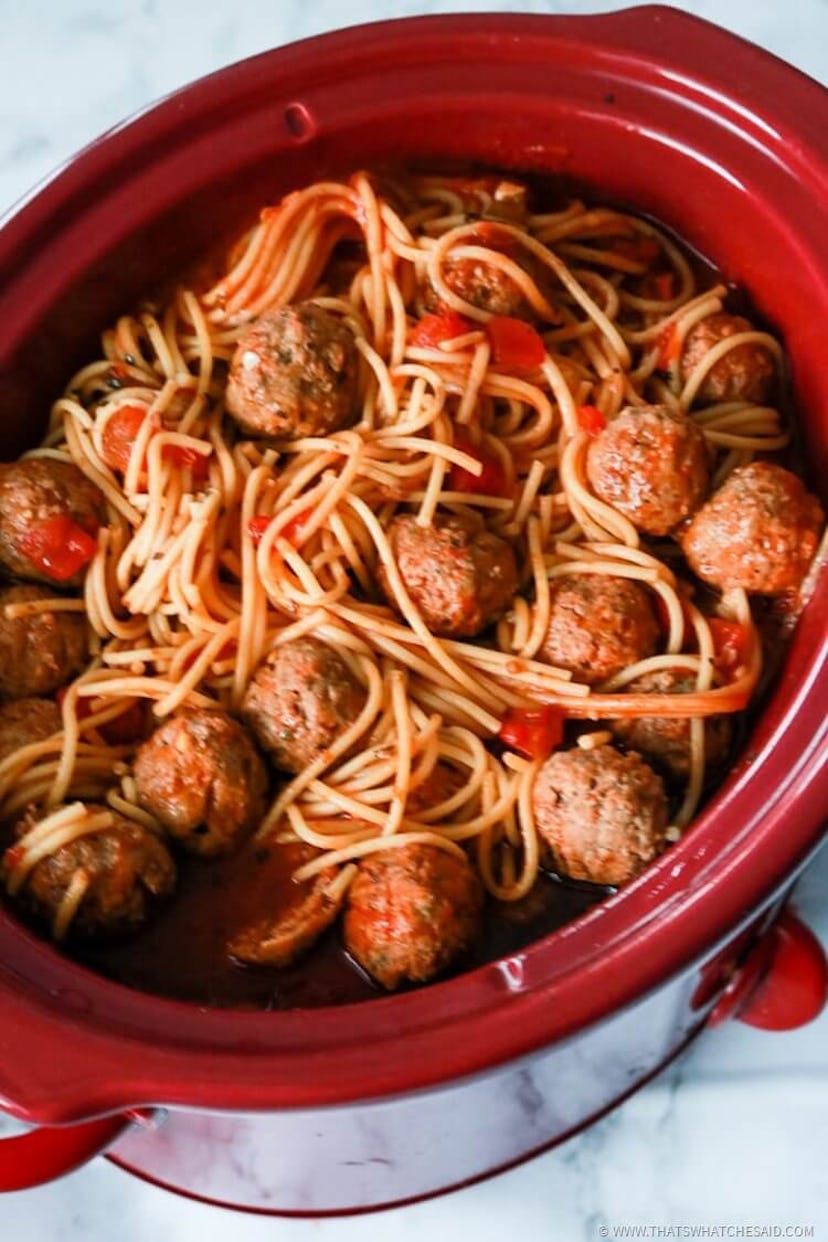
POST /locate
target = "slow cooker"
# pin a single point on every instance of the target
(327, 1110)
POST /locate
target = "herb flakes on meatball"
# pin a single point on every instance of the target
(40, 651)
(602, 814)
(411, 910)
(202, 778)
(459, 575)
(598, 624)
(300, 700)
(294, 374)
(758, 531)
(651, 465)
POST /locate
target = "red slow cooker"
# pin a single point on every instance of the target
(363, 1105)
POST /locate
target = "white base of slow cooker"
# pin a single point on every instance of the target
(386, 1152)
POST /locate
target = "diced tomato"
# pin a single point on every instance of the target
(669, 348)
(257, 526)
(293, 531)
(591, 420)
(183, 457)
(130, 726)
(82, 706)
(639, 249)
(664, 285)
(58, 547)
(533, 731)
(515, 344)
(295, 528)
(432, 330)
(490, 482)
(730, 644)
(119, 435)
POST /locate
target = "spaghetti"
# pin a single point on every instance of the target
(220, 548)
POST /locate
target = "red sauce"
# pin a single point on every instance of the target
(181, 952)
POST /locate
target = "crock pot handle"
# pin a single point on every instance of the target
(783, 982)
(43, 1154)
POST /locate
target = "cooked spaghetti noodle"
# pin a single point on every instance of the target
(220, 548)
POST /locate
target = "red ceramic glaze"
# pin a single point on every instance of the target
(655, 108)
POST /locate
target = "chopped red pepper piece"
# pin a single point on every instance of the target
(591, 420)
(492, 479)
(119, 435)
(515, 344)
(730, 644)
(533, 731)
(432, 330)
(58, 547)
(293, 531)
(257, 526)
(669, 348)
(182, 456)
(130, 726)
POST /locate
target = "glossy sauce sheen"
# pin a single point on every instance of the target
(182, 953)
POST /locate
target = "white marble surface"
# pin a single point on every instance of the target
(735, 1134)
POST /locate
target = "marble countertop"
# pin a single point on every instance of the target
(735, 1133)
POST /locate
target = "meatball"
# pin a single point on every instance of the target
(410, 911)
(759, 531)
(460, 576)
(32, 491)
(602, 814)
(201, 776)
(26, 721)
(299, 702)
(128, 868)
(651, 465)
(484, 286)
(598, 625)
(39, 652)
(745, 373)
(665, 740)
(304, 911)
(294, 374)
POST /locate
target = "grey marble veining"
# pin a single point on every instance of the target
(736, 1132)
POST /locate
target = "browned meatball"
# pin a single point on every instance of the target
(598, 625)
(759, 531)
(42, 651)
(33, 490)
(26, 721)
(745, 373)
(602, 814)
(410, 911)
(301, 913)
(651, 465)
(128, 869)
(300, 700)
(459, 575)
(666, 739)
(294, 374)
(483, 284)
(202, 778)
